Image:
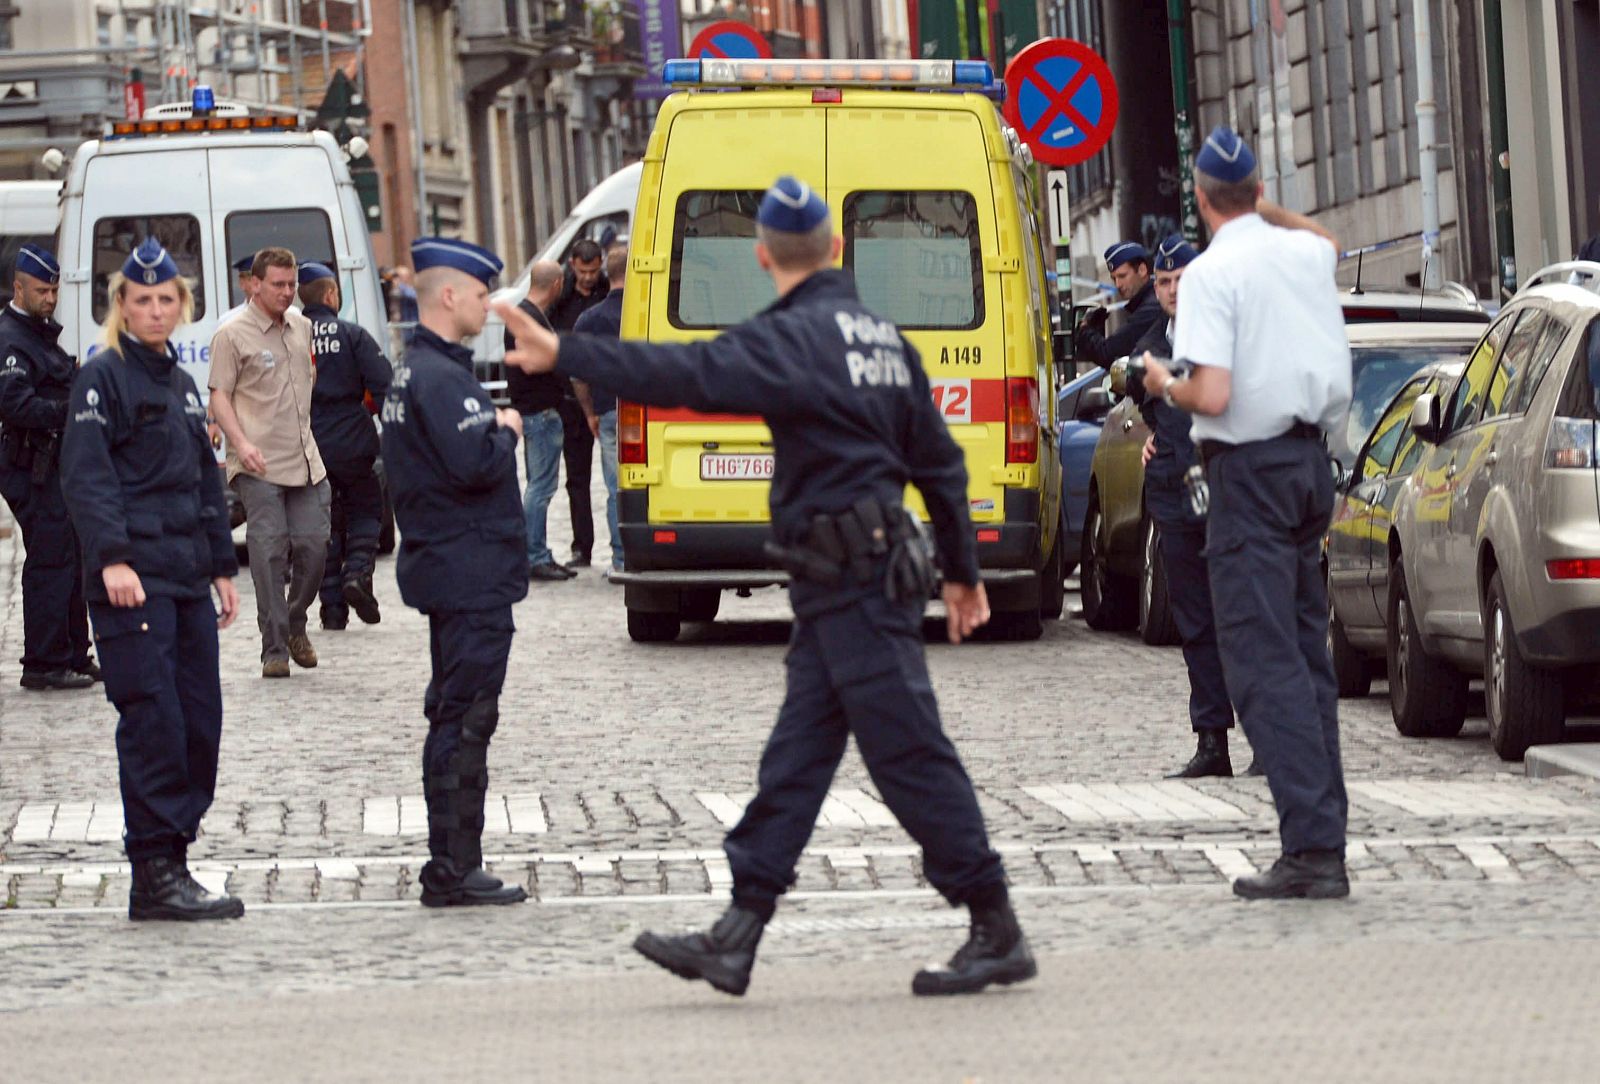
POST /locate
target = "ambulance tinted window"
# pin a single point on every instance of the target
(916, 256)
(114, 238)
(716, 281)
(304, 232)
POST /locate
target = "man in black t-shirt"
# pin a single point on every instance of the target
(538, 398)
(583, 286)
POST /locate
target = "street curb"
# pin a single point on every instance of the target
(1577, 758)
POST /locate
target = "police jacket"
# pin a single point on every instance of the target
(35, 374)
(1175, 449)
(140, 477)
(532, 393)
(349, 365)
(1141, 312)
(453, 481)
(844, 394)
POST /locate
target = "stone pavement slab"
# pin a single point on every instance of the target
(1575, 758)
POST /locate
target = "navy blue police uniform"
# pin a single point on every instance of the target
(1183, 534)
(35, 380)
(144, 489)
(1262, 303)
(1141, 312)
(462, 561)
(350, 368)
(852, 421)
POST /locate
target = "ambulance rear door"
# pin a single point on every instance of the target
(910, 188)
(720, 157)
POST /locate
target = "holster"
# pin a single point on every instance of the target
(851, 545)
(46, 445)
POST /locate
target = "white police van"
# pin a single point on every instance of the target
(213, 184)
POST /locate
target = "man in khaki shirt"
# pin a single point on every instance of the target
(261, 376)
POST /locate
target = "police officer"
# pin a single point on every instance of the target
(141, 480)
(1168, 455)
(245, 268)
(1262, 333)
(853, 421)
(350, 367)
(35, 379)
(452, 465)
(1129, 264)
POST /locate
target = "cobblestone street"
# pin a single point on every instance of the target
(1461, 954)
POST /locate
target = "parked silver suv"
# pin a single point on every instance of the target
(1495, 551)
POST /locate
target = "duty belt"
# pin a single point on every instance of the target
(851, 546)
(1210, 449)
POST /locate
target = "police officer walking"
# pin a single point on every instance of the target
(35, 380)
(1129, 264)
(142, 484)
(853, 421)
(1168, 455)
(350, 367)
(1262, 332)
(451, 459)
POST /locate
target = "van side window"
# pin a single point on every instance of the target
(917, 257)
(603, 231)
(115, 237)
(715, 281)
(304, 231)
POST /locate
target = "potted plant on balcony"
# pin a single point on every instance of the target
(605, 25)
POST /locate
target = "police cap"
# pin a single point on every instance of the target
(149, 264)
(1174, 252)
(430, 252)
(791, 206)
(1225, 156)
(38, 263)
(1124, 252)
(311, 271)
(244, 265)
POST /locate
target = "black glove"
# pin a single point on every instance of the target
(1096, 318)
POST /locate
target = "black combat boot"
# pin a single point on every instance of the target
(723, 955)
(358, 593)
(164, 891)
(334, 618)
(1306, 875)
(55, 680)
(1255, 771)
(1210, 757)
(455, 805)
(995, 952)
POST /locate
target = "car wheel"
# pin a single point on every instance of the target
(1016, 625)
(1052, 580)
(700, 605)
(1157, 626)
(1108, 600)
(1526, 706)
(1351, 668)
(1426, 695)
(645, 627)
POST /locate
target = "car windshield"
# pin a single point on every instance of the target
(1379, 371)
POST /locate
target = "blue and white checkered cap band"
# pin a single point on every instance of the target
(38, 263)
(1225, 156)
(431, 252)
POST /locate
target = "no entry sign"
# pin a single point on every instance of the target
(1062, 100)
(729, 40)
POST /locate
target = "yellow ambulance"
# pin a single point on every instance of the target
(932, 193)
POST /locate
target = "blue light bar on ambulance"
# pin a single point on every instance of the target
(203, 102)
(833, 73)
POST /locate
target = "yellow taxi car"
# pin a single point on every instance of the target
(933, 195)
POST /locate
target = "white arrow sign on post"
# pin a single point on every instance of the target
(1055, 194)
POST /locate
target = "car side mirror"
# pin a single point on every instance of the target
(1342, 475)
(1117, 379)
(1425, 418)
(1093, 403)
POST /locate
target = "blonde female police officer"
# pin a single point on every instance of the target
(452, 465)
(852, 421)
(142, 484)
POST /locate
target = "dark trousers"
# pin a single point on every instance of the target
(355, 514)
(55, 622)
(1270, 504)
(577, 451)
(1189, 593)
(860, 670)
(468, 652)
(160, 666)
